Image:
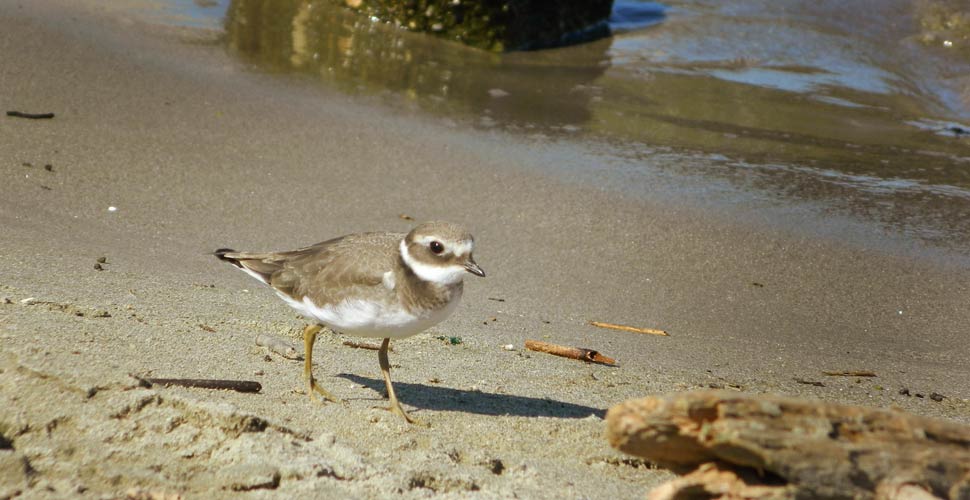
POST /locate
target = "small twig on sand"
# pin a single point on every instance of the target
(365, 345)
(580, 353)
(32, 116)
(851, 373)
(612, 326)
(207, 383)
(278, 345)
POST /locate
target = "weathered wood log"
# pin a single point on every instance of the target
(718, 480)
(736, 445)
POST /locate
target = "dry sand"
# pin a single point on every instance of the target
(197, 153)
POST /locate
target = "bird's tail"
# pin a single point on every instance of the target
(256, 265)
(221, 255)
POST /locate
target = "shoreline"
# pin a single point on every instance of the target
(196, 153)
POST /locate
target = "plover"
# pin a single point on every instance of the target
(383, 285)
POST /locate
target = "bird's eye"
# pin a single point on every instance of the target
(436, 247)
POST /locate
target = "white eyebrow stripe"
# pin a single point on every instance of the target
(463, 247)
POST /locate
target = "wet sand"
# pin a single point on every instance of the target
(196, 153)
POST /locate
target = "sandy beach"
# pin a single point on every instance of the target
(163, 148)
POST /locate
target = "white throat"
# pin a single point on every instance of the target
(446, 276)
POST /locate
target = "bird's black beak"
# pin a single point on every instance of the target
(473, 268)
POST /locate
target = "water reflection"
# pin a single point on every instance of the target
(358, 55)
(817, 87)
(759, 81)
(831, 102)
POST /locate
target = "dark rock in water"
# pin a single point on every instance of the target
(496, 25)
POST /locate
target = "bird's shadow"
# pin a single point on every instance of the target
(484, 403)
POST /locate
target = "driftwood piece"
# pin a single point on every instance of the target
(718, 480)
(580, 353)
(785, 447)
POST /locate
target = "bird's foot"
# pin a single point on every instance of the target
(313, 389)
(396, 408)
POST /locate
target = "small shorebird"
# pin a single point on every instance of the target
(383, 285)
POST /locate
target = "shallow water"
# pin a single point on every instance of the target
(853, 110)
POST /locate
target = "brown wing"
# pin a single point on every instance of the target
(326, 271)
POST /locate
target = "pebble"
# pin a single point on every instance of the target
(509, 347)
(937, 397)
(326, 438)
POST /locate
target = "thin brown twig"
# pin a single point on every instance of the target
(851, 373)
(365, 345)
(613, 326)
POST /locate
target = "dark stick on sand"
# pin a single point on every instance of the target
(32, 116)
(850, 373)
(205, 383)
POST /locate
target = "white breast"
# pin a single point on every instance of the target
(374, 319)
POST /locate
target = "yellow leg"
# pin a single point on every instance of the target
(386, 370)
(309, 335)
